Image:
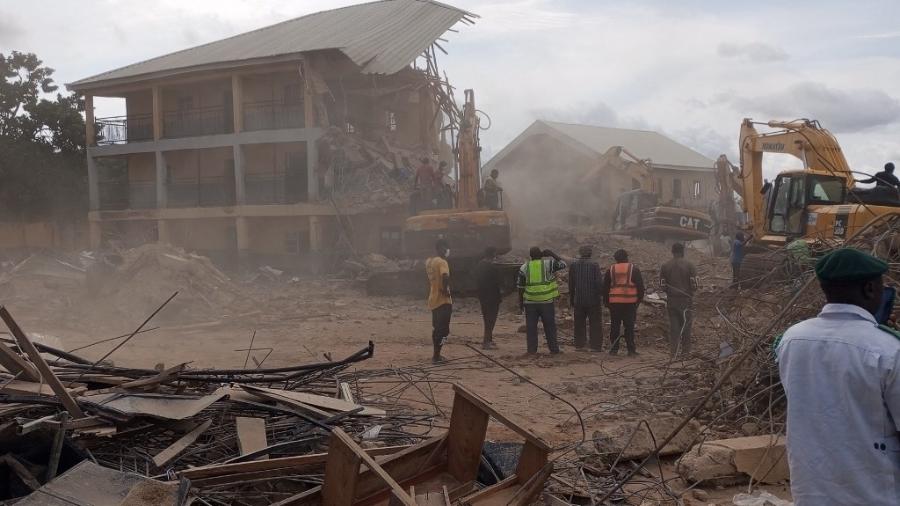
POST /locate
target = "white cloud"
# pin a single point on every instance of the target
(757, 52)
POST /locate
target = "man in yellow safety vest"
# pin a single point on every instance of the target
(623, 287)
(538, 291)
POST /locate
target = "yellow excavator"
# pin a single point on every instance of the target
(466, 226)
(818, 202)
(638, 212)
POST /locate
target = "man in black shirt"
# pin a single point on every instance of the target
(884, 178)
(487, 276)
(586, 299)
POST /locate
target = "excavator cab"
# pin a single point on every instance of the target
(791, 196)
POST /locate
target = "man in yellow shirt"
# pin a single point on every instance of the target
(439, 300)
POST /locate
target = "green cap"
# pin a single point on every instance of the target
(848, 264)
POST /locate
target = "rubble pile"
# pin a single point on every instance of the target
(60, 412)
(365, 175)
(152, 272)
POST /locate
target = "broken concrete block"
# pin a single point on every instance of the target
(732, 461)
(614, 440)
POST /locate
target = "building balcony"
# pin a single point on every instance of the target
(196, 122)
(123, 129)
(277, 189)
(273, 115)
(118, 195)
(208, 192)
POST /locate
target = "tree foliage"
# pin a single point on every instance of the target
(42, 151)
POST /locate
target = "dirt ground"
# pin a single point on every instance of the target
(304, 322)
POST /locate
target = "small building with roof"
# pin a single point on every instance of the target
(556, 173)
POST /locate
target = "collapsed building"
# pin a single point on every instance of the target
(282, 145)
(560, 164)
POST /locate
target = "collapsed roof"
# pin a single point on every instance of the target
(381, 37)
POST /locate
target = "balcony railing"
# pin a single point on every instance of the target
(278, 189)
(273, 115)
(194, 122)
(207, 192)
(122, 129)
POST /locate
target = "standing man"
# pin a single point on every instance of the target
(884, 178)
(439, 300)
(538, 292)
(737, 258)
(492, 191)
(678, 278)
(586, 299)
(623, 288)
(840, 375)
(487, 276)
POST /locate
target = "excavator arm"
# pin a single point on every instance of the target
(804, 139)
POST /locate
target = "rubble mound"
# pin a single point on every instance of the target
(150, 274)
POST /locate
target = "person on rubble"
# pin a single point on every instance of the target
(423, 186)
(885, 178)
(623, 289)
(586, 299)
(492, 191)
(678, 278)
(538, 291)
(737, 257)
(840, 376)
(439, 301)
(487, 278)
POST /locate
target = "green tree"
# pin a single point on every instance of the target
(42, 152)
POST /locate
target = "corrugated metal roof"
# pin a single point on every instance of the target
(662, 151)
(381, 37)
(645, 144)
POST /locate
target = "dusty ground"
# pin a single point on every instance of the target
(305, 321)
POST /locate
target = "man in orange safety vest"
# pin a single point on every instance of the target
(623, 289)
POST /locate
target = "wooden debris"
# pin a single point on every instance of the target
(169, 454)
(311, 400)
(251, 434)
(42, 367)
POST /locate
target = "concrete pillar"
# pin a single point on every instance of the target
(162, 230)
(95, 232)
(240, 194)
(237, 102)
(312, 174)
(316, 234)
(242, 231)
(162, 194)
(93, 183)
(157, 113)
(89, 132)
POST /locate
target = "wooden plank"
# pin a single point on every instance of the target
(164, 457)
(251, 434)
(531, 461)
(465, 439)
(300, 462)
(312, 400)
(346, 393)
(14, 363)
(32, 388)
(155, 380)
(28, 347)
(510, 422)
(531, 488)
(404, 466)
(493, 490)
(341, 470)
(397, 492)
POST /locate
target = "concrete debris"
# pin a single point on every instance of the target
(759, 498)
(633, 441)
(737, 460)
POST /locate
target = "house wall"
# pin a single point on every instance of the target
(377, 232)
(690, 181)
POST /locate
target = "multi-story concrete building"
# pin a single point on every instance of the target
(220, 146)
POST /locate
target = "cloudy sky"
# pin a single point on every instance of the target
(691, 69)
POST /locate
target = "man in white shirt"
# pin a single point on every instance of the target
(840, 374)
